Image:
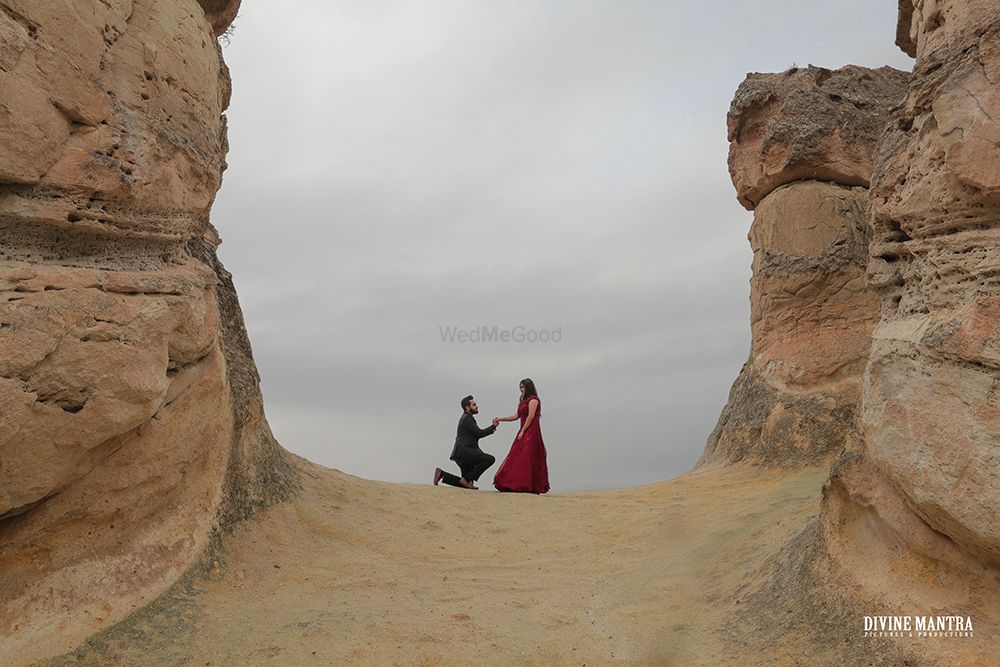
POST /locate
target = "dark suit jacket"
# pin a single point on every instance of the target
(467, 439)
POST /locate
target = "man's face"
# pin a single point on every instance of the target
(472, 408)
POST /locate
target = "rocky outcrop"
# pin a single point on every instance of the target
(909, 519)
(131, 427)
(808, 123)
(220, 13)
(919, 496)
(800, 156)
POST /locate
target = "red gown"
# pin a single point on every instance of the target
(524, 469)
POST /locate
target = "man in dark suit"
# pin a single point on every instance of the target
(466, 453)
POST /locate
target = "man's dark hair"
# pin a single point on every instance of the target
(466, 401)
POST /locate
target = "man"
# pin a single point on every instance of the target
(470, 459)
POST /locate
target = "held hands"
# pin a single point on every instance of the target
(496, 420)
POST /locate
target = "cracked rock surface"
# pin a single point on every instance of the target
(131, 426)
(808, 123)
(918, 496)
(800, 156)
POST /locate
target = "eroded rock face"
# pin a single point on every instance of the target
(220, 13)
(131, 425)
(91, 357)
(808, 123)
(796, 398)
(810, 313)
(926, 25)
(916, 500)
(931, 407)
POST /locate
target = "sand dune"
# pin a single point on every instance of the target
(358, 572)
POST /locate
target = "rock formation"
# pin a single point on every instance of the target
(808, 124)
(909, 523)
(132, 435)
(919, 498)
(131, 428)
(800, 157)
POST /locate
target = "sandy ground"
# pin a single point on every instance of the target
(358, 572)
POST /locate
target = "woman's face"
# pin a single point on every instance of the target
(521, 387)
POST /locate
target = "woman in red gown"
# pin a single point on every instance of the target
(524, 469)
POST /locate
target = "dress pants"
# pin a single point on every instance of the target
(472, 465)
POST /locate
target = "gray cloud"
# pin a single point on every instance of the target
(400, 166)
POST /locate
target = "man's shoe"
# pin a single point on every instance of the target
(437, 475)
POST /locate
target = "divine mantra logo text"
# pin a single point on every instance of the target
(918, 626)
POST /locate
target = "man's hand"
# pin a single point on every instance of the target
(496, 420)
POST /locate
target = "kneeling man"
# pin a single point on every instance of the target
(472, 461)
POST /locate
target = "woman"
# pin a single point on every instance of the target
(524, 469)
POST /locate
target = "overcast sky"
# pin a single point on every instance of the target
(401, 166)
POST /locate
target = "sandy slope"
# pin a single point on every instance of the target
(358, 572)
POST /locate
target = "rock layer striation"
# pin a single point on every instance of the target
(918, 497)
(131, 426)
(800, 156)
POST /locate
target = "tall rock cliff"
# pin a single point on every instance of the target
(800, 156)
(918, 499)
(131, 425)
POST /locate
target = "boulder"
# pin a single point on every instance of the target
(808, 123)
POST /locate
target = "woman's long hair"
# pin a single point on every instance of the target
(529, 389)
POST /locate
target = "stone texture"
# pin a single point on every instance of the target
(808, 123)
(916, 499)
(131, 425)
(62, 331)
(904, 40)
(810, 313)
(220, 13)
(801, 145)
(926, 25)
(811, 321)
(931, 409)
